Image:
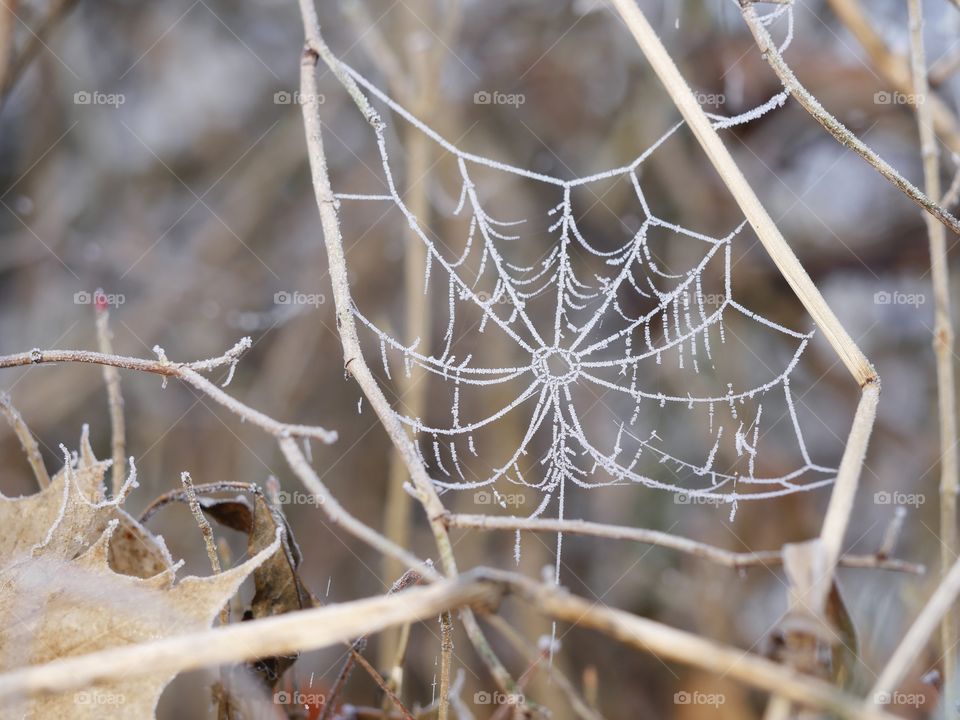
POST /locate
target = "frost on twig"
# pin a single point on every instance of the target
(27, 441)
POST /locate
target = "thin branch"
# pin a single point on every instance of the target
(27, 441)
(783, 257)
(838, 130)
(669, 643)
(944, 68)
(111, 378)
(726, 558)
(267, 637)
(896, 70)
(942, 346)
(284, 433)
(446, 658)
(321, 627)
(892, 534)
(201, 521)
(419, 93)
(837, 518)
(391, 692)
(952, 194)
(914, 642)
(339, 516)
(187, 372)
(774, 242)
(354, 362)
(203, 489)
(532, 656)
(382, 684)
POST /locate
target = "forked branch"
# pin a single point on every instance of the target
(832, 125)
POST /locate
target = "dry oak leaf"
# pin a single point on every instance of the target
(59, 595)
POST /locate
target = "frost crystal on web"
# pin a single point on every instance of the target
(546, 323)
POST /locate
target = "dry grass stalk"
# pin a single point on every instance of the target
(943, 343)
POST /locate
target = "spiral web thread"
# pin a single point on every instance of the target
(578, 347)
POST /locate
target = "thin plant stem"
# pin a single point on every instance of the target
(848, 476)
(322, 627)
(720, 556)
(832, 125)
(27, 441)
(915, 641)
(111, 378)
(354, 362)
(942, 346)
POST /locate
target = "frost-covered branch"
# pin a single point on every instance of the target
(111, 378)
(354, 362)
(726, 558)
(943, 343)
(27, 441)
(322, 627)
(832, 125)
(186, 372)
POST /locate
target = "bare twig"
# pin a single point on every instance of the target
(339, 516)
(203, 489)
(187, 372)
(892, 534)
(321, 627)
(848, 474)
(896, 70)
(952, 194)
(942, 346)
(671, 644)
(354, 362)
(268, 637)
(727, 558)
(201, 520)
(786, 261)
(383, 685)
(532, 656)
(838, 130)
(942, 69)
(27, 441)
(446, 657)
(913, 643)
(111, 378)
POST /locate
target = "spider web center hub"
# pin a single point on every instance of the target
(556, 366)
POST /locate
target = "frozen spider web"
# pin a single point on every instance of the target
(583, 323)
